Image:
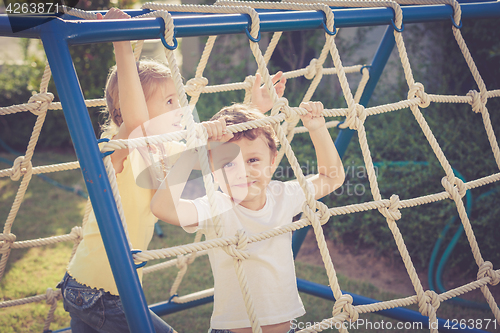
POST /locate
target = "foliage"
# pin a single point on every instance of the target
(394, 136)
(225, 65)
(14, 89)
(92, 62)
(397, 136)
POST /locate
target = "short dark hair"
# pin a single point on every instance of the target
(241, 113)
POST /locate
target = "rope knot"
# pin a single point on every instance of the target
(181, 261)
(52, 296)
(195, 86)
(8, 240)
(486, 269)
(478, 101)
(356, 117)
(77, 231)
(392, 212)
(320, 211)
(344, 303)
(311, 69)
(457, 187)
(43, 100)
(249, 80)
(11, 238)
(417, 91)
(198, 138)
(323, 212)
(282, 105)
(308, 211)
(430, 303)
(239, 250)
(20, 167)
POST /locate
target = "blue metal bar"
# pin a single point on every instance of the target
(379, 61)
(325, 292)
(402, 314)
(164, 308)
(94, 173)
(82, 32)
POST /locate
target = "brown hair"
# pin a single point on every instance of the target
(240, 113)
(152, 75)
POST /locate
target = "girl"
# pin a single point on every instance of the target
(135, 94)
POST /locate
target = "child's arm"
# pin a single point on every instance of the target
(133, 105)
(167, 204)
(330, 169)
(260, 96)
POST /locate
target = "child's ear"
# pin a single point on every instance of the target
(274, 157)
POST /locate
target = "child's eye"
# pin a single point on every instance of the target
(228, 165)
(253, 160)
(170, 101)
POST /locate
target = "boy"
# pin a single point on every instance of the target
(243, 165)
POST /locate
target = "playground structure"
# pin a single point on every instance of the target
(171, 21)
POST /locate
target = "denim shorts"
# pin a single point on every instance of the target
(97, 311)
(292, 330)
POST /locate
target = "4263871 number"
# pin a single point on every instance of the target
(456, 324)
(32, 8)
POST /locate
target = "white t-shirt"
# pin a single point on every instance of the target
(270, 270)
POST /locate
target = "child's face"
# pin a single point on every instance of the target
(245, 177)
(164, 101)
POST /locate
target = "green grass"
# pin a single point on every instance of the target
(48, 211)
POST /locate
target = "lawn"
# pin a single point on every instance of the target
(48, 210)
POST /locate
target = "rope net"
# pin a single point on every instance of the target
(284, 119)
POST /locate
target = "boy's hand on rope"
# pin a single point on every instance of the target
(260, 96)
(216, 130)
(313, 119)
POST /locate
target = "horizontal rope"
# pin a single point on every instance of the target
(335, 211)
(27, 300)
(167, 264)
(44, 169)
(75, 234)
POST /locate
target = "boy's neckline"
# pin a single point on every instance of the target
(253, 211)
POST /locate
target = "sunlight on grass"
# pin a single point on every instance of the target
(7, 192)
(46, 211)
(48, 264)
(31, 318)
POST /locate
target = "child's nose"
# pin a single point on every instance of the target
(248, 170)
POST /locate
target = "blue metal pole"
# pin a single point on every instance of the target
(83, 32)
(167, 307)
(402, 314)
(377, 67)
(325, 292)
(94, 173)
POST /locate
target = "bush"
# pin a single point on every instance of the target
(396, 136)
(15, 89)
(92, 63)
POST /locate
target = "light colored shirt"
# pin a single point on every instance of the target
(270, 269)
(89, 265)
